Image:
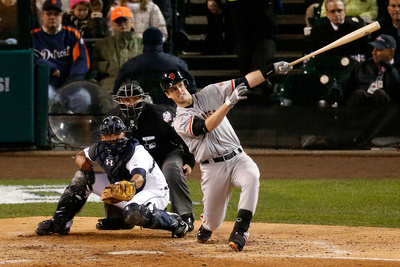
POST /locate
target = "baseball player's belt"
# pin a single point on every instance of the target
(225, 157)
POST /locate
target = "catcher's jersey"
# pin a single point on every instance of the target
(219, 142)
(142, 159)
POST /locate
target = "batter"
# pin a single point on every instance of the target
(201, 122)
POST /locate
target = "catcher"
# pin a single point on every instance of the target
(131, 181)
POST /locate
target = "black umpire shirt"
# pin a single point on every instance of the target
(155, 132)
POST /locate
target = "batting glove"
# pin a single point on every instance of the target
(237, 94)
(282, 67)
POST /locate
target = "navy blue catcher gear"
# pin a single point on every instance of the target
(171, 78)
(112, 125)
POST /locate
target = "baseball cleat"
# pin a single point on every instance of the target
(238, 239)
(48, 227)
(181, 230)
(203, 235)
(113, 224)
(234, 246)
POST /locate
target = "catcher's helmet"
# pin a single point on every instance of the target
(112, 125)
(171, 78)
(131, 89)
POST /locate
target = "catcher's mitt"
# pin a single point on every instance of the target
(120, 191)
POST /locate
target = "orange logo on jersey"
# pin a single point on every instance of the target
(172, 76)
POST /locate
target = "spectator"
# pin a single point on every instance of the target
(152, 64)
(335, 26)
(374, 82)
(61, 47)
(8, 20)
(366, 9)
(146, 14)
(258, 27)
(151, 125)
(166, 9)
(87, 18)
(39, 6)
(382, 8)
(214, 42)
(390, 23)
(110, 53)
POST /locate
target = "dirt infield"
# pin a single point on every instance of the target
(269, 244)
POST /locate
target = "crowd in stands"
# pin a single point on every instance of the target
(120, 52)
(84, 39)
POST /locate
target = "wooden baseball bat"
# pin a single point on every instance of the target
(344, 40)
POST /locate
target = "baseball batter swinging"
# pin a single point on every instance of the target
(201, 122)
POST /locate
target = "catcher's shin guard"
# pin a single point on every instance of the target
(169, 221)
(135, 214)
(70, 203)
(114, 219)
(240, 233)
(141, 215)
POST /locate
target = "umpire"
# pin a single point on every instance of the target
(151, 125)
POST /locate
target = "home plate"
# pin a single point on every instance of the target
(127, 252)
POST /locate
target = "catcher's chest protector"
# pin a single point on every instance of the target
(114, 166)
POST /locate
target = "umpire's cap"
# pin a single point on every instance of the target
(171, 78)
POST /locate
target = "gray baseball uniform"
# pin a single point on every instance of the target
(222, 161)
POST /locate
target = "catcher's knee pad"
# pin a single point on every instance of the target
(135, 214)
(83, 178)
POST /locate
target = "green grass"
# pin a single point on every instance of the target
(374, 202)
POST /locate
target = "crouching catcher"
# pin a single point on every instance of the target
(131, 181)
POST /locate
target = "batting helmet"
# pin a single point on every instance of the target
(112, 125)
(171, 78)
(127, 90)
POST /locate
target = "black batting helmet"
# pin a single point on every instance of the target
(112, 125)
(171, 78)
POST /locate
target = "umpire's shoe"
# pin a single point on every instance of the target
(203, 235)
(238, 239)
(113, 224)
(49, 227)
(189, 219)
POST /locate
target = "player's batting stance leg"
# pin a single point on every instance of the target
(241, 172)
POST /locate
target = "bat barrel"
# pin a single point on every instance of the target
(344, 40)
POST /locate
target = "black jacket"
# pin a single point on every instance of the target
(367, 72)
(388, 29)
(152, 64)
(155, 132)
(324, 34)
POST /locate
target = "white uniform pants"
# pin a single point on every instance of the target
(216, 185)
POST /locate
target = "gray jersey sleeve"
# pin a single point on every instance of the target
(212, 144)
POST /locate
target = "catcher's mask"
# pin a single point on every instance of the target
(131, 97)
(171, 78)
(113, 125)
